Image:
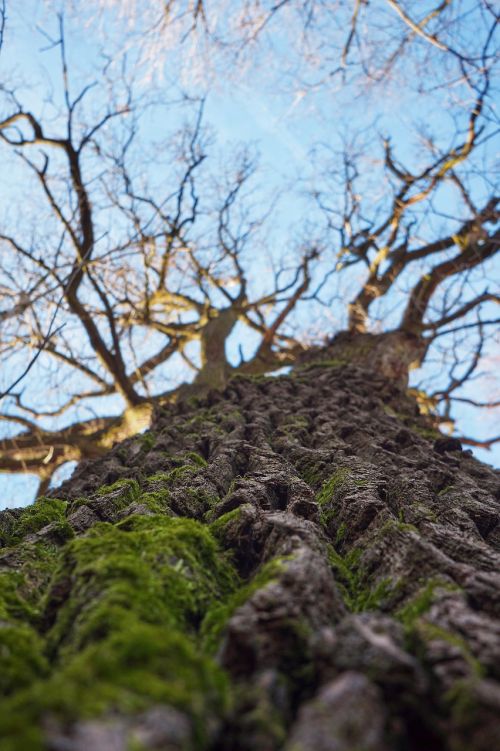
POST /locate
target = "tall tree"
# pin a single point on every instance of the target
(279, 561)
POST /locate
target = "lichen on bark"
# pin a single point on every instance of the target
(288, 563)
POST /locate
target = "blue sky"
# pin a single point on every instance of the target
(281, 127)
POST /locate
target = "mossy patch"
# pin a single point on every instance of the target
(121, 616)
(446, 490)
(294, 426)
(13, 605)
(419, 630)
(357, 594)
(129, 490)
(396, 525)
(137, 666)
(422, 602)
(255, 710)
(196, 458)
(219, 526)
(166, 570)
(22, 657)
(156, 501)
(146, 440)
(431, 434)
(341, 533)
(169, 479)
(110, 500)
(40, 514)
(23, 589)
(334, 486)
(331, 492)
(199, 494)
(311, 472)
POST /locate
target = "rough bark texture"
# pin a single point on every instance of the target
(294, 563)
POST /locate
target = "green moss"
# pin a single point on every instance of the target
(21, 656)
(170, 478)
(218, 615)
(350, 577)
(371, 598)
(257, 711)
(122, 453)
(138, 666)
(424, 512)
(421, 603)
(431, 631)
(230, 418)
(76, 503)
(331, 491)
(21, 649)
(298, 421)
(21, 591)
(147, 440)
(34, 518)
(122, 614)
(445, 490)
(156, 501)
(412, 613)
(163, 482)
(61, 532)
(327, 516)
(202, 415)
(392, 525)
(332, 486)
(294, 424)
(311, 472)
(218, 527)
(200, 495)
(167, 569)
(428, 433)
(196, 458)
(129, 489)
(13, 605)
(158, 477)
(341, 533)
(338, 485)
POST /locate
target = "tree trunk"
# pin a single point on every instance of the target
(297, 562)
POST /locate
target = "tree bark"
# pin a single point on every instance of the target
(295, 562)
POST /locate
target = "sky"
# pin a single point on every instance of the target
(281, 126)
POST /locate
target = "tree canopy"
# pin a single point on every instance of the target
(146, 255)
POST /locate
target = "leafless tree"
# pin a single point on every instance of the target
(117, 262)
(128, 282)
(427, 253)
(423, 46)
